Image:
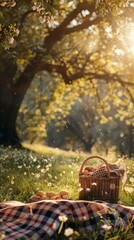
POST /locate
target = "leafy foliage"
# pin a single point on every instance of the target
(76, 42)
(11, 23)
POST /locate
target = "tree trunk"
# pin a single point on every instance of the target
(9, 106)
(88, 145)
(75, 129)
(11, 97)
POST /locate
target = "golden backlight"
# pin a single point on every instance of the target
(129, 37)
(131, 40)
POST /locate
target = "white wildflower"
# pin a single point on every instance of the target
(12, 181)
(37, 175)
(106, 227)
(17, 32)
(11, 40)
(19, 166)
(34, 8)
(68, 232)
(63, 218)
(49, 184)
(42, 170)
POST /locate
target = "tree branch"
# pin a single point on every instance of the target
(83, 25)
(57, 34)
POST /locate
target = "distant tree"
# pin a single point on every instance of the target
(85, 129)
(78, 128)
(115, 135)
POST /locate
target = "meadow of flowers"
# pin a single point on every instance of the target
(24, 172)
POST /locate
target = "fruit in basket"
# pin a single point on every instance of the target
(90, 169)
(86, 172)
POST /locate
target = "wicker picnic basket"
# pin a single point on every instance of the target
(104, 188)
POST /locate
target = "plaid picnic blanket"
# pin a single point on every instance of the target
(40, 220)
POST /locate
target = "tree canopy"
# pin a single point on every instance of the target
(88, 41)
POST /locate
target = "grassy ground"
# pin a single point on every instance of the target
(24, 172)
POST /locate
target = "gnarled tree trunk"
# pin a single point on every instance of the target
(11, 97)
(8, 114)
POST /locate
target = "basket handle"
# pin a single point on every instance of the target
(91, 157)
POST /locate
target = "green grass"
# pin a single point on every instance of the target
(24, 172)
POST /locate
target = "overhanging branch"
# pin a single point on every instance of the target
(83, 25)
(57, 33)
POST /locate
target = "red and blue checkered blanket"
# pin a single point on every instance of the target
(40, 220)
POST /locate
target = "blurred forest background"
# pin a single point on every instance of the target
(66, 74)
